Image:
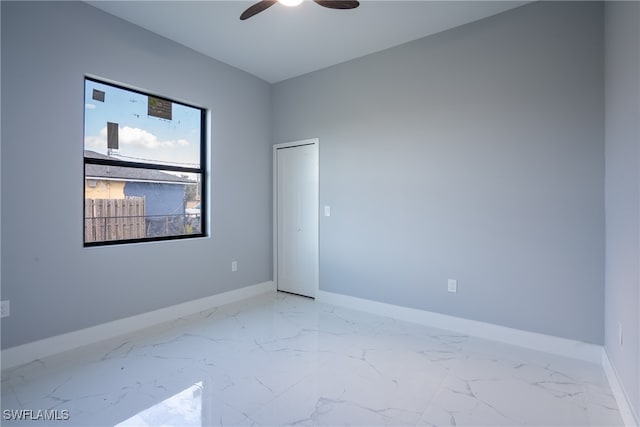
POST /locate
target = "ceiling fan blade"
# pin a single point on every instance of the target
(257, 8)
(338, 4)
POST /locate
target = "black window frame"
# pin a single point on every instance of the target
(202, 171)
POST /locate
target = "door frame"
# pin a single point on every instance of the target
(315, 142)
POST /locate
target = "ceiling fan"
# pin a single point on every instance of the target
(265, 4)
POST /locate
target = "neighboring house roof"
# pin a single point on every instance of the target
(121, 173)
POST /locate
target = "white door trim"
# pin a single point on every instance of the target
(276, 147)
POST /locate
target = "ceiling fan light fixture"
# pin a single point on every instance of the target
(263, 5)
(290, 3)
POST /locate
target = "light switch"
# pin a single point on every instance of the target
(452, 285)
(327, 211)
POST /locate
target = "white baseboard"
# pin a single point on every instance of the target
(25, 353)
(628, 417)
(547, 343)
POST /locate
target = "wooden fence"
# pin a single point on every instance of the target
(113, 219)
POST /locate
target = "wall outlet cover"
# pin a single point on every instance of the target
(5, 309)
(452, 285)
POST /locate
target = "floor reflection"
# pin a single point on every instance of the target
(181, 409)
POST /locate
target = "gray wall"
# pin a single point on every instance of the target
(475, 154)
(54, 284)
(622, 83)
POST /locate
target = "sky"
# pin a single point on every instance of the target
(142, 138)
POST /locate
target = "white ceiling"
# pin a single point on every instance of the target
(284, 42)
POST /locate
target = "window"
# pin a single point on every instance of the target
(144, 167)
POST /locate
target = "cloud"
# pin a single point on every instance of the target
(95, 142)
(134, 137)
(90, 106)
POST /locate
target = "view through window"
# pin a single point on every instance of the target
(144, 168)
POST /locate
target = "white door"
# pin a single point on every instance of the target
(296, 203)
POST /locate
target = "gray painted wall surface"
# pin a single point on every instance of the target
(54, 284)
(475, 154)
(622, 83)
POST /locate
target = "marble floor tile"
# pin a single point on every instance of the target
(280, 360)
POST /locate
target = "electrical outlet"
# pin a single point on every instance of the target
(234, 266)
(452, 285)
(4, 309)
(620, 333)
